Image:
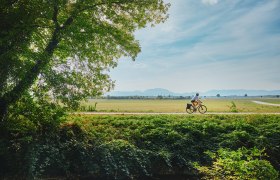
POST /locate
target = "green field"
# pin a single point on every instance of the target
(213, 105)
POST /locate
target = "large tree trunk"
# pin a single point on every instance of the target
(29, 78)
(25, 83)
(15, 94)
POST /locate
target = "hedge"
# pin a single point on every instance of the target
(134, 147)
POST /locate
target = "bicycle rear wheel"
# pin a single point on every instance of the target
(190, 110)
(202, 109)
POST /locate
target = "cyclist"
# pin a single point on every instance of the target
(195, 100)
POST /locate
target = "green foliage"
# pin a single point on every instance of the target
(89, 108)
(42, 114)
(240, 165)
(233, 107)
(135, 147)
(121, 159)
(64, 49)
(28, 121)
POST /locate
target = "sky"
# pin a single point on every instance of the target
(206, 45)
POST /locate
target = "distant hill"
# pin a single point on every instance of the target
(148, 92)
(165, 92)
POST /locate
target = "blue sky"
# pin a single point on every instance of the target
(205, 45)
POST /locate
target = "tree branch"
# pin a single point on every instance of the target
(71, 18)
(45, 57)
(55, 13)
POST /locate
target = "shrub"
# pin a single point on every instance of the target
(132, 147)
(28, 121)
(240, 164)
(233, 107)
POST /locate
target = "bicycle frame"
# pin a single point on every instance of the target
(198, 103)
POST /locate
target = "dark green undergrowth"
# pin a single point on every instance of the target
(138, 147)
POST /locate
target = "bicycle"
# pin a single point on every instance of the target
(201, 108)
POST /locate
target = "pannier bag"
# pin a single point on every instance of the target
(189, 106)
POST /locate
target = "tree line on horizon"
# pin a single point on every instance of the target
(179, 97)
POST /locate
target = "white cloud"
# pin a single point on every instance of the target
(210, 2)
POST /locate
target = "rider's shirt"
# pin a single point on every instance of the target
(195, 98)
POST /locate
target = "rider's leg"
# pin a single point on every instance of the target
(194, 105)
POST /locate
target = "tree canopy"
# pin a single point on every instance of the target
(63, 49)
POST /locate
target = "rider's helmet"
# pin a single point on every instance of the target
(197, 94)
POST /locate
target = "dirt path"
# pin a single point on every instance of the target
(265, 103)
(171, 113)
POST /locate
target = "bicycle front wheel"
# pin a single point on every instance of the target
(190, 110)
(202, 109)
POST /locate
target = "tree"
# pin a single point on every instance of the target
(218, 95)
(62, 49)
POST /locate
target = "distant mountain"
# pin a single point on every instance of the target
(148, 92)
(165, 92)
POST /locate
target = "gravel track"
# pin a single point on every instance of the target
(171, 113)
(265, 103)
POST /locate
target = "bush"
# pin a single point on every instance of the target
(233, 107)
(132, 147)
(240, 164)
(28, 122)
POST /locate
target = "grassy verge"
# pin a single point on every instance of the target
(133, 147)
(213, 105)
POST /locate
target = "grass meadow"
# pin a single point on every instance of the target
(173, 106)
